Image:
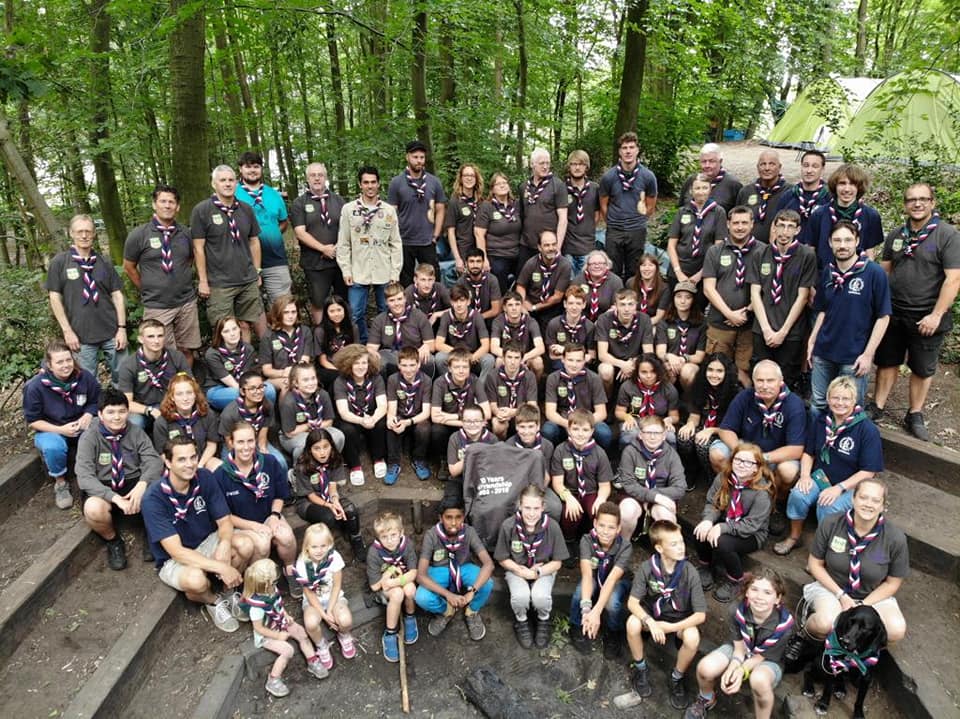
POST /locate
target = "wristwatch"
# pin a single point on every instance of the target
(276, 514)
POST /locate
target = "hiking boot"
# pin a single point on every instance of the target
(916, 426)
(220, 615)
(421, 469)
(612, 645)
(323, 654)
(727, 590)
(315, 667)
(348, 647)
(640, 680)
(580, 641)
(61, 494)
(706, 576)
(277, 687)
(411, 632)
(679, 696)
(356, 477)
(438, 623)
(380, 469)
(238, 610)
(390, 643)
(116, 553)
(444, 474)
(359, 549)
(475, 626)
(541, 637)
(393, 474)
(873, 412)
(778, 522)
(699, 708)
(521, 627)
(787, 545)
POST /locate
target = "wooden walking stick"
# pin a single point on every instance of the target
(404, 693)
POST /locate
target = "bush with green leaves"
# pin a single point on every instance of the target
(26, 324)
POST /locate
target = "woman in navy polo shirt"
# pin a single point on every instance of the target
(842, 449)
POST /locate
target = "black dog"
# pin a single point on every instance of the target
(853, 647)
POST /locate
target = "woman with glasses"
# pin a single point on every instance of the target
(600, 284)
(184, 412)
(735, 519)
(462, 213)
(497, 228)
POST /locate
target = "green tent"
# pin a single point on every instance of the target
(913, 115)
(821, 111)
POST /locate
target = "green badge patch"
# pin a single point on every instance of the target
(103, 458)
(308, 207)
(155, 243)
(838, 545)
(516, 546)
(73, 273)
(276, 345)
(765, 268)
(726, 260)
(568, 463)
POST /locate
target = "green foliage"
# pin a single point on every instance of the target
(665, 139)
(26, 323)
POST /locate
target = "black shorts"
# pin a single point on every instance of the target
(903, 339)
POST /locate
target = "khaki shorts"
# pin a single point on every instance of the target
(182, 325)
(242, 302)
(171, 570)
(736, 344)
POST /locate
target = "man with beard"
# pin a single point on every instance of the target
(271, 212)
(543, 280)
(484, 287)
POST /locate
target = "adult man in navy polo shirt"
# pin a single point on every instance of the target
(421, 204)
(191, 534)
(271, 211)
(811, 192)
(852, 307)
(773, 418)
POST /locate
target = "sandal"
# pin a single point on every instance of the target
(786, 546)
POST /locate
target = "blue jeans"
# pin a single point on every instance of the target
(435, 604)
(221, 395)
(503, 269)
(556, 434)
(53, 448)
(823, 373)
(357, 296)
(615, 612)
(87, 357)
(799, 503)
(578, 262)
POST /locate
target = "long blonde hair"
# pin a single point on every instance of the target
(315, 531)
(260, 578)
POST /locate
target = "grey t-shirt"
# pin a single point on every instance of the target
(503, 226)
(799, 271)
(687, 596)
(307, 212)
(581, 237)
(510, 545)
(622, 205)
(159, 289)
(596, 468)
(139, 376)
(416, 229)
(624, 342)
(506, 393)
(915, 282)
(724, 191)
(229, 262)
(93, 322)
(764, 203)
(297, 409)
(620, 554)
(433, 549)
(539, 203)
(409, 403)
(713, 227)
(94, 461)
(379, 559)
(721, 264)
(534, 275)
(588, 392)
(414, 331)
(468, 332)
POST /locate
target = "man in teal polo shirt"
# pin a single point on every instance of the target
(271, 211)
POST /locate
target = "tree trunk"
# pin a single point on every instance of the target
(283, 120)
(631, 81)
(418, 81)
(225, 63)
(521, 84)
(378, 53)
(79, 198)
(336, 167)
(447, 98)
(559, 101)
(253, 120)
(190, 172)
(860, 53)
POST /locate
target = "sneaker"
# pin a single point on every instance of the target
(778, 523)
(296, 589)
(580, 641)
(916, 426)
(475, 626)
(438, 623)
(541, 637)
(390, 644)
(727, 590)
(220, 615)
(679, 696)
(380, 469)
(706, 576)
(347, 646)
(315, 667)
(787, 545)
(612, 645)
(640, 680)
(356, 477)
(411, 632)
(116, 553)
(421, 469)
(359, 549)
(699, 708)
(61, 494)
(522, 629)
(323, 654)
(277, 687)
(392, 474)
(873, 412)
(238, 610)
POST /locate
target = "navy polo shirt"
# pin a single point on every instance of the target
(201, 518)
(744, 417)
(850, 313)
(857, 449)
(242, 502)
(816, 232)
(41, 402)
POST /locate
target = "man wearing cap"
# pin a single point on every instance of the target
(421, 203)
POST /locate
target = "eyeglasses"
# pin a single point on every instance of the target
(256, 388)
(472, 421)
(917, 200)
(744, 462)
(652, 432)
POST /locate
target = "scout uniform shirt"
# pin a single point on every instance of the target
(636, 463)
(147, 380)
(229, 262)
(94, 321)
(369, 248)
(668, 597)
(409, 396)
(162, 288)
(624, 342)
(537, 547)
(697, 229)
(320, 216)
(788, 428)
(281, 349)
(252, 497)
(510, 393)
(381, 560)
(587, 391)
(100, 473)
(596, 468)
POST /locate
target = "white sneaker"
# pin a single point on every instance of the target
(238, 609)
(380, 469)
(356, 477)
(221, 616)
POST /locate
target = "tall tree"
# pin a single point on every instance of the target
(634, 59)
(418, 80)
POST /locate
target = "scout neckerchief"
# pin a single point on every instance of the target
(683, 330)
(579, 455)
(513, 385)
(476, 288)
(625, 334)
(537, 442)
(648, 399)
(272, 605)
(509, 211)
(780, 260)
(809, 199)
(256, 194)
(117, 472)
(180, 509)
(393, 557)
(254, 417)
(547, 272)
(430, 302)
(90, 293)
(336, 342)
(483, 438)
(470, 202)
(833, 430)
(571, 381)
(748, 630)
(740, 274)
(453, 545)
(851, 212)
(407, 408)
(533, 190)
(579, 194)
(368, 214)
(311, 406)
(229, 212)
(839, 279)
(315, 573)
(593, 305)
(531, 543)
(627, 180)
(166, 245)
(186, 423)
(358, 403)
(665, 588)
(712, 407)
(915, 239)
(159, 378)
(397, 321)
(291, 343)
(62, 388)
(319, 479)
(603, 556)
(417, 184)
(651, 456)
(644, 293)
(460, 329)
(718, 179)
(735, 509)
(237, 357)
(770, 413)
(460, 393)
(256, 480)
(324, 210)
(517, 332)
(858, 546)
(696, 245)
(765, 194)
(573, 333)
(838, 660)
